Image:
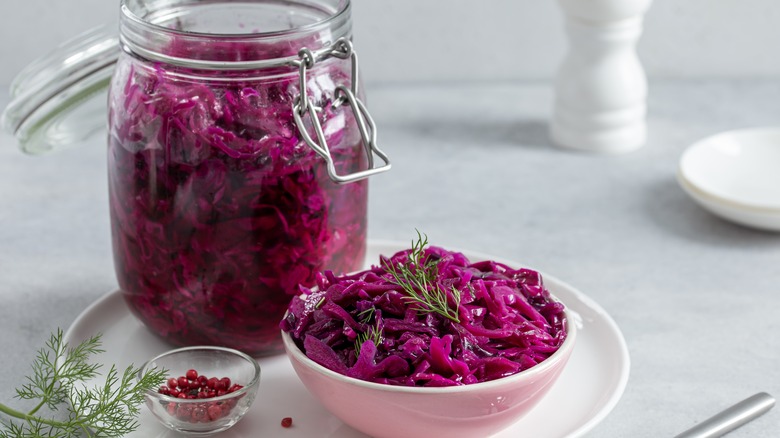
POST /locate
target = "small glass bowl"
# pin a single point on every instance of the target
(208, 415)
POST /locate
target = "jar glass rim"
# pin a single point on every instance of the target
(341, 12)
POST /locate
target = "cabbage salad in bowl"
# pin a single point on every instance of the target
(428, 317)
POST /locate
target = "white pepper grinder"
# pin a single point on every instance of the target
(601, 87)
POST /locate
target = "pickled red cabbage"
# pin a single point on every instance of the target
(218, 209)
(365, 326)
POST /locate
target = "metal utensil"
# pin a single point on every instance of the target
(731, 418)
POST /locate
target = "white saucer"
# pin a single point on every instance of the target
(736, 175)
(588, 389)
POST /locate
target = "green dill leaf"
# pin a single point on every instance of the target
(366, 315)
(373, 333)
(418, 278)
(61, 374)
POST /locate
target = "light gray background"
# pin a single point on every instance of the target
(461, 92)
(476, 40)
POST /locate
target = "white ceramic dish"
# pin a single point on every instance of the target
(597, 372)
(736, 175)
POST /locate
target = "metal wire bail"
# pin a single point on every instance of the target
(301, 106)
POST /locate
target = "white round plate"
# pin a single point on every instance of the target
(586, 392)
(736, 175)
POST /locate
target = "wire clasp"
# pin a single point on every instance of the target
(341, 49)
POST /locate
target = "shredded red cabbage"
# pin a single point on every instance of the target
(508, 323)
(218, 209)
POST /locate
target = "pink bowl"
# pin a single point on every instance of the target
(477, 410)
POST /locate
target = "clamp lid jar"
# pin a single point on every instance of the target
(238, 151)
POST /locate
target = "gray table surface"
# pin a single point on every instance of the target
(697, 298)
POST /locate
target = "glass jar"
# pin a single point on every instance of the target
(237, 154)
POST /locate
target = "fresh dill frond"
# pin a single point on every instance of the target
(373, 333)
(419, 280)
(60, 375)
(366, 315)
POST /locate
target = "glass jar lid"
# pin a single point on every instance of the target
(60, 99)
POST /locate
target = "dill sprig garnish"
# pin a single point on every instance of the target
(59, 375)
(373, 333)
(366, 315)
(419, 280)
